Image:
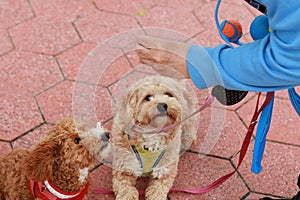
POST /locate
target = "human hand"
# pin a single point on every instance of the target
(161, 53)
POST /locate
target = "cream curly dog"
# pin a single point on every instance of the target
(145, 142)
(57, 167)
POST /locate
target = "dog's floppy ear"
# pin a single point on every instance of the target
(38, 164)
(132, 98)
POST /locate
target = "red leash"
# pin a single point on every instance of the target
(221, 180)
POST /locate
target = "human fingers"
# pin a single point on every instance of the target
(143, 53)
(174, 46)
(154, 55)
(149, 42)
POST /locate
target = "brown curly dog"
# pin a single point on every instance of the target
(57, 167)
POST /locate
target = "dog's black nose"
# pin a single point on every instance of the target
(105, 137)
(162, 107)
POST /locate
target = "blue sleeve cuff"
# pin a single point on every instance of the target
(201, 67)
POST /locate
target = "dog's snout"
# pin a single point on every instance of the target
(105, 137)
(162, 107)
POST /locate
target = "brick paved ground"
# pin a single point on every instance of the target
(43, 46)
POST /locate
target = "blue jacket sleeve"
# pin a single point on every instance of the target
(271, 63)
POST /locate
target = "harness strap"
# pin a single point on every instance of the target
(261, 136)
(137, 156)
(153, 159)
(295, 99)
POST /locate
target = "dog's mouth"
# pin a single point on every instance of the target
(104, 147)
(104, 153)
(158, 117)
(157, 124)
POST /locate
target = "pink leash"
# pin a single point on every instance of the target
(243, 151)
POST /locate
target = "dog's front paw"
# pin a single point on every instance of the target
(156, 194)
(159, 172)
(133, 167)
(128, 194)
(129, 164)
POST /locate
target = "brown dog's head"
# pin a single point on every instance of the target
(67, 152)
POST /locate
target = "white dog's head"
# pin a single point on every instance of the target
(152, 104)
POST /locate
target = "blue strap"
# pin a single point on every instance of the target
(261, 134)
(295, 99)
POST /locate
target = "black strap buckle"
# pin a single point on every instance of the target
(262, 8)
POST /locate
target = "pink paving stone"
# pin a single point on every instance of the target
(134, 7)
(254, 196)
(166, 33)
(193, 4)
(19, 114)
(196, 172)
(30, 139)
(285, 123)
(118, 89)
(43, 35)
(284, 93)
(102, 178)
(209, 37)
(76, 100)
(5, 42)
(71, 60)
(126, 40)
(98, 64)
(168, 18)
(188, 5)
(280, 173)
(65, 10)
(115, 71)
(28, 72)
(4, 148)
(14, 12)
(225, 136)
(133, 58)
(177, 4)
(102, 25)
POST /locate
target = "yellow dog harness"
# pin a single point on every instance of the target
(148, 160)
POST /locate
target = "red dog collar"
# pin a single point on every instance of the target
(47, 191)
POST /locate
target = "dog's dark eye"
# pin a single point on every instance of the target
(148, 97)
(168, 94)
(77, 140)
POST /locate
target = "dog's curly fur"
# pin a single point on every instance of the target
(57, 158)
(151, 103)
